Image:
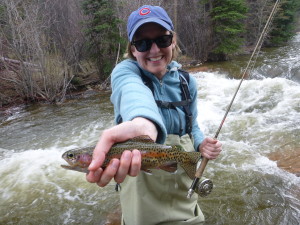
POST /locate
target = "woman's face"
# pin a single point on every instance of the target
(156, 59)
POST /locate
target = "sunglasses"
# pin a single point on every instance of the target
(144, 45)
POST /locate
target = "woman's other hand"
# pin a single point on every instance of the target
(210, 148)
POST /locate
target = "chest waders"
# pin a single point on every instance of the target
(160, 198)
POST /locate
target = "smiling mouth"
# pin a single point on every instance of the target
(155, 59)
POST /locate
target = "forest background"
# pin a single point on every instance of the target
(49, 48)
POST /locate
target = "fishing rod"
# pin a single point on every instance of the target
(205, 186)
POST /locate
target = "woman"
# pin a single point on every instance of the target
(159, 198)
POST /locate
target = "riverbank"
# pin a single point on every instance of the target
(82, 85)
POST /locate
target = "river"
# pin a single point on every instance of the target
(249, 188)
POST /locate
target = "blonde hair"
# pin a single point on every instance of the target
(175, 52)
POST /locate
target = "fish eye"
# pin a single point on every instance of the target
(70, 155)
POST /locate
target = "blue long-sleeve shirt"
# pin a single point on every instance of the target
(132, 98)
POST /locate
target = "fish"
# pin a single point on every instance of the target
(154, 156)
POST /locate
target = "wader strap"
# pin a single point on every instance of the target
(173, 105)
(185, 103)
(186, 95)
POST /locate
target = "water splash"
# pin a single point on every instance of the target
(33, 183)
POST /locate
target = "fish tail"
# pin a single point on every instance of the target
(190, 165)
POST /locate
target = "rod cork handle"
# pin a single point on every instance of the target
(198, 176)
(201, 168)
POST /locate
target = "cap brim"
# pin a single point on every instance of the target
(148, 20)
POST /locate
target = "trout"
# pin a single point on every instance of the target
(154, 156)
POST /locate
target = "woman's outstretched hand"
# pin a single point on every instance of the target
(129, 163)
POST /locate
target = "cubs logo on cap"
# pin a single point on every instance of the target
(148, 14)
(144, 11)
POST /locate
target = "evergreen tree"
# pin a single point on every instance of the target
(284, 22)
(227, 16)
(103, 34)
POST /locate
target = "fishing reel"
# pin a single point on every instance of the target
(204, 187)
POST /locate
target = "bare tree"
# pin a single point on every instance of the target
(258, 14)
(64, 29)
(25, 35)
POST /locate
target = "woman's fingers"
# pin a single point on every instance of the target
(125, 162)
(109, 172)
(135, 163)
(94, 175)
(129, 164)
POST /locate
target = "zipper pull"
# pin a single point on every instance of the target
(161, 85)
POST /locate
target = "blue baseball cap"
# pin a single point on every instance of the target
(147, 14)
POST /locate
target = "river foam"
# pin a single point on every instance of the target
(265, 116)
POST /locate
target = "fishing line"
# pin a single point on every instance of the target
(256, 50)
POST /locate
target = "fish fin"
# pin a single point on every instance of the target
(178, 148)
(170, 167)
(75, 168)
(142, 138)
(190, 165)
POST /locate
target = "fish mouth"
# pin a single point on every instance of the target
(67, 167)
(75, 168)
